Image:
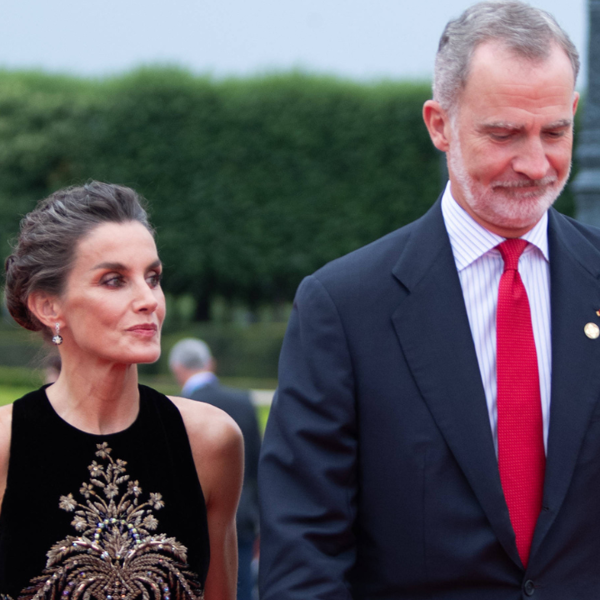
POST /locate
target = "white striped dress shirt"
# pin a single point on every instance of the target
(479, 267)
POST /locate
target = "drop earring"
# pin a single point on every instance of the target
(57, 338)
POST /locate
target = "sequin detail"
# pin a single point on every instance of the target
(115, 557)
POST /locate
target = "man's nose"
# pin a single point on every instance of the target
(532, 160)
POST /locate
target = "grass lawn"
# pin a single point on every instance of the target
(9, 393)
(263, 414)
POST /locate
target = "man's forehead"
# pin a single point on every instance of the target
(499, 81)
(499, 48)
(496, 56)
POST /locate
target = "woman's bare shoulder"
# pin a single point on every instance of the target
(5, 430)
(218, 450)
(207, 425)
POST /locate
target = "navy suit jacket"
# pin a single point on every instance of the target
(378, 476)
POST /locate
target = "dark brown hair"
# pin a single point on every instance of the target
(43, 255)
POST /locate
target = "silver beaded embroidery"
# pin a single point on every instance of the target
(115, 557)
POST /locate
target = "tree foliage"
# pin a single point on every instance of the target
(252, 183)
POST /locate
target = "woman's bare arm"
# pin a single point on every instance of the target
(218, 450)
(5, 431)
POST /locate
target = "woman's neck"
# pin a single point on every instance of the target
(99, 400)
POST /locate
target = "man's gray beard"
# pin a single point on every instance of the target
(523, 210)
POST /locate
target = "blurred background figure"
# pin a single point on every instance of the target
(194, 367)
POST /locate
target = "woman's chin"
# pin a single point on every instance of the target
(146, 357)
(149, 358)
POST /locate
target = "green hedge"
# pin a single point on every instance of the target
(253, 183)
(242, 352)
(20, 349)
(21, 378)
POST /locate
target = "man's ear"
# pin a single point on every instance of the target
(45, 308)
(437, 122)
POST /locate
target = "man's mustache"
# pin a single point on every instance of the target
(521, 183)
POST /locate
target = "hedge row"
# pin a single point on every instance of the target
(241, 351)
(253, 183)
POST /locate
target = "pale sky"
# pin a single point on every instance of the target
(359, 39)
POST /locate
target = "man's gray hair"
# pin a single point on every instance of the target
(529, 32)
(190, 353)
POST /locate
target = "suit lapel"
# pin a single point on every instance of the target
(575, 298)
(433, 329)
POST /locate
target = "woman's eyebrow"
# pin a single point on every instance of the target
(116, 266)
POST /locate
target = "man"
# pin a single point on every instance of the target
(436, 432)
(193, 366)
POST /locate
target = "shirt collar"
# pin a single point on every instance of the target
(198, 380)
(470, 240)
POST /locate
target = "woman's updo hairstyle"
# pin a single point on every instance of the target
(44, 253)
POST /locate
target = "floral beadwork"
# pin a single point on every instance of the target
(115, 556)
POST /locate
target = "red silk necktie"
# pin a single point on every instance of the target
(521, 457)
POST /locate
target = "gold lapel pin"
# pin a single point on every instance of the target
(592, 331)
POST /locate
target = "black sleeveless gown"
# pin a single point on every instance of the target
(107, 517)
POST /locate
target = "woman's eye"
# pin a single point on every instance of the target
(154, 279)
(113, 281)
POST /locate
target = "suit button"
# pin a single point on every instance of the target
(529, 587)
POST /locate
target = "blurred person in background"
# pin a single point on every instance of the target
(109, 489)
(193, 366)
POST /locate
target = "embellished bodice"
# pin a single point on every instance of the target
(112, 517)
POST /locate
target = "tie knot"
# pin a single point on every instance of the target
(511, 251)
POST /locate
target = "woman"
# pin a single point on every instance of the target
(110, 489)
